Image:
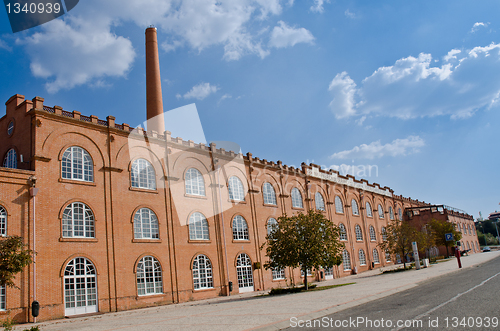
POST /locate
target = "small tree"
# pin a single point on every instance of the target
(399, 237)
(14, 256)
(304, 240)
(439, 229)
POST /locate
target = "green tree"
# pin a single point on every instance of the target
(304, 240)
(399, 237)
(14, 256)
(439, 229)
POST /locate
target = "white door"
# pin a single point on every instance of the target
(80, 287)
(245, 273)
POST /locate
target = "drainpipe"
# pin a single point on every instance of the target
(33, 193)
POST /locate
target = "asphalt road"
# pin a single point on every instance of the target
(465, 300)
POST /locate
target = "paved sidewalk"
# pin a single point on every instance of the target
(251, 311)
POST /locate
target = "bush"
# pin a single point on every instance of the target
(281, 290)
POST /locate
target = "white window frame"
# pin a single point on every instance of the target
(359, 233)
(10, 160)
(240, 228)
(380, 212)
(400, 214)
(320, 202)
(244, 272)
(146, 224)
(271, 223)
(346, 260)
(369, 212)
(343, 232)
(354, 207)
(373, 234)
(376, 256)
(362, 257)
(391, 213)
(384, 233)
(387, 256)
(202, 273)
(3, 298)
(198, 227)
(10, 128)
(269, 194)
(3, 221)
(194, 182)
(149, 276)
(236, 189)
(143, 175)
(80, 287)
(339, 207)
(78, 221)
(297, 198)
(278, 273)
(77, 164)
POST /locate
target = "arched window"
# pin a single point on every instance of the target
(468, 246)
(320, 203)
(146, 224)
(384, 234)
(271, 225)
(339, 208)
(80, 287)
(346, 260)
(373, 236)
(391, 213)
(470, 232)
(362, 257)
(236, 190)
(477, 246)
(296, 198)
(78, 221)
(202, 273)
(240, 228)
(376, 258)
(198, 227)
(244, 272)
(355, 209)
(149, 278)
(76, 164)
(359, 233)
(269, 194)
(195, 185)
(3, 298)
(343, 232)
(380, 212)
(143, 175)
(369, 212)
(10, 128)
(400, 214)
(387, 256)
(3, 222)
(10, 160)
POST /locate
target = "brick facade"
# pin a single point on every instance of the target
(43, 134)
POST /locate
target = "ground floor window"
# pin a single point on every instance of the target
(328, 273)
(80, 287)
(202, 273)
(149, 278)
(398, 258)
(362, 257)
(244, 273)
(309, 272)
(376, 258)
(346, 260)
(2, 298)
(387, 256)
(278, 273)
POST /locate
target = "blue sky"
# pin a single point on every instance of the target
(410, 88)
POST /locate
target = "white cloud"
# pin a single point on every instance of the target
(75, 52)
(224, 97)
(200, 91)
(4, 45)
(349, 14)
(477, 26)
(411, 88)
(284, 36)
(397, 147)
(318, 6)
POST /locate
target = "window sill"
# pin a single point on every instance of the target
(237, 201)
(204, 290)
(280, 280)
(298, 208)
(76, 181)
(194, 196)
(269, 205)
(243, 241)
(149, 296)
(69, 239)
(355, 215)
(137, 189)
(199, 241)
(156, 241)
(339, 213)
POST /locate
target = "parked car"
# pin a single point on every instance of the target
(486, 249)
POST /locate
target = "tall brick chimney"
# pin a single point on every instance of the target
(154, 102)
